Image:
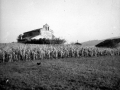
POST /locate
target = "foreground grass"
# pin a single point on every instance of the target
(93, 73)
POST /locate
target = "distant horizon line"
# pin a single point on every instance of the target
(77, 40)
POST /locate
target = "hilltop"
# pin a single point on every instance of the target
(109, 42)
(91, 42)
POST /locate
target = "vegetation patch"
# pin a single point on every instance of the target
(110, 43)
(25, 52)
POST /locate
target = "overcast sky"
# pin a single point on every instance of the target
(72, 20)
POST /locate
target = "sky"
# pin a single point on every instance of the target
(72, 20)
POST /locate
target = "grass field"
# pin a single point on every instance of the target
(85, 73)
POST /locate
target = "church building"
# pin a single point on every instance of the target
(44, 32)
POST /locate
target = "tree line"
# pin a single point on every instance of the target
(40, 40)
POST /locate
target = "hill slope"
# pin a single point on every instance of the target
(91, 43)
(110, 43)
(96, 42)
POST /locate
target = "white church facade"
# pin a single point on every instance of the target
(44, 32)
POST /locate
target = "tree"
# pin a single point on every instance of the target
(19, 38)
